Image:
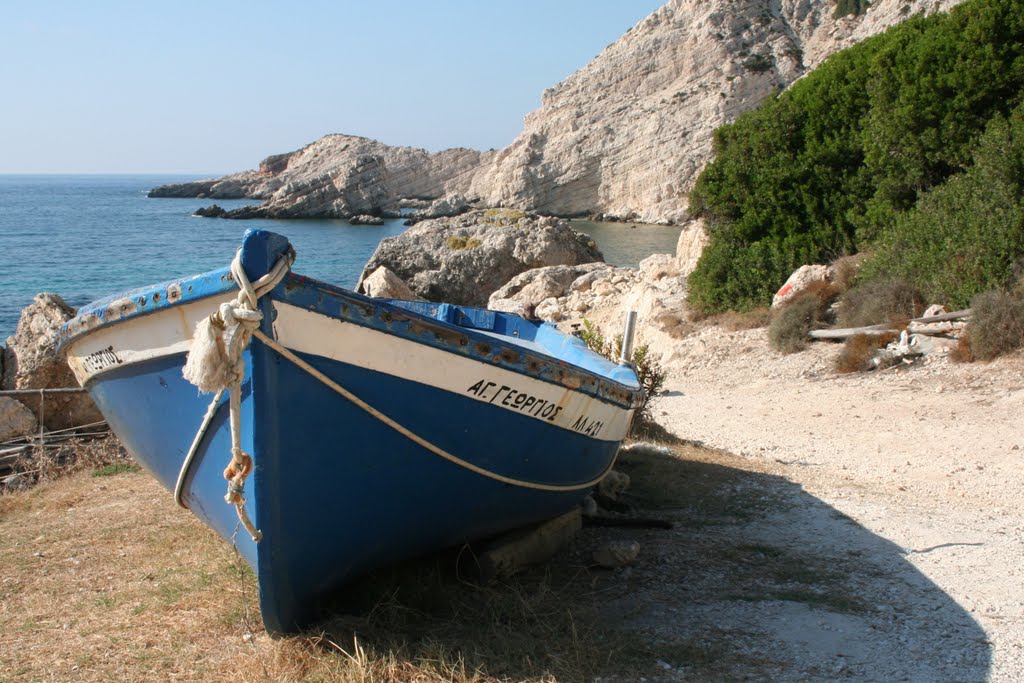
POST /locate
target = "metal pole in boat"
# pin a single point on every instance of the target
(626, 357)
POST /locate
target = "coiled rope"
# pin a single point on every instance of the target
(216, 363)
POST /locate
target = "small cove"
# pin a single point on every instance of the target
(87, 236)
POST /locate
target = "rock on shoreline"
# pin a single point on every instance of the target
(461, 260)
(33, 361)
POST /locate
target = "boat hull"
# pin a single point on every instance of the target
(376, 434)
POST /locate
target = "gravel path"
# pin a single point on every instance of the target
(916, 471)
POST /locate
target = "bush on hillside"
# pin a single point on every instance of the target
(845, 8)
(820, 170)
(874, 302)
(967, 236)
(791, 323)
(997, 324)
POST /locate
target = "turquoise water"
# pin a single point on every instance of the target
(87, 236)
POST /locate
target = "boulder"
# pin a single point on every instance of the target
(366, 219)
(528, 290)
(658, 266)
(802, 278)
(211, 211)
(383, 284)
(692, 240)
(32, 361)
(15, 419)
(452, 204)
(463, 259)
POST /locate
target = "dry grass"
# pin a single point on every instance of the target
(858, 350)
(996, 327)
(105, 579)
(880, 301)
(59, 460)
(733, 321)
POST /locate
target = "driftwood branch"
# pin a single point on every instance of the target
(915, 326)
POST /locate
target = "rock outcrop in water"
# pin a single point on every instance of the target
(339, 176)
(625, 136)
(461, 260)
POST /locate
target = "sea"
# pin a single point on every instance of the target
(89, 236)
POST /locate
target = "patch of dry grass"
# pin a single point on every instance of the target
(735, 321)
(105, 579)
(858, 350)
(61, 459)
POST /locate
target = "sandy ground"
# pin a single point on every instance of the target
(909, 480)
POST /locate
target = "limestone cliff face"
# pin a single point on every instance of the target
(625, 136)
(628, 134)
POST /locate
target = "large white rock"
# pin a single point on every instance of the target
(802, 278)
(692, 240)
(463, 259)
(32, 360)
(383, 284)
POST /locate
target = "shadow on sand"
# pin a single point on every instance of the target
(756, 580)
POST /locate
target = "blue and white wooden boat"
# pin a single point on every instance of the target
(378, 429)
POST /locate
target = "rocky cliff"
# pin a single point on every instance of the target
(625, 136)
(339, 176)
(628, 134)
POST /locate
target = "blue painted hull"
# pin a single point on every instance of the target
(335, 490)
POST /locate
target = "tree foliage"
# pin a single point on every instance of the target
(827, 167)
(966, 236)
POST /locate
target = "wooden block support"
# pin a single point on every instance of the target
(511, 553)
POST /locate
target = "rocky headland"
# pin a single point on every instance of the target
(624, 137)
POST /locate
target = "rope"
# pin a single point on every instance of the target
(416, 438)
(215, 363)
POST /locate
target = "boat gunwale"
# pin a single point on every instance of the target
(377, 314)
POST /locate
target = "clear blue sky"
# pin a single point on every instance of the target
(215, 86)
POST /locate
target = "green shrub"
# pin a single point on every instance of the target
(875, 302)
(997, 324)
(845, 8)
(648, 370)
(460, 242)
(790, 324)
(967, 236)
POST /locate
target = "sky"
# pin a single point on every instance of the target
(213, 87)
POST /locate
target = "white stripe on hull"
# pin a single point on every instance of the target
(320, 335)
(150, 336)
(168, 332)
